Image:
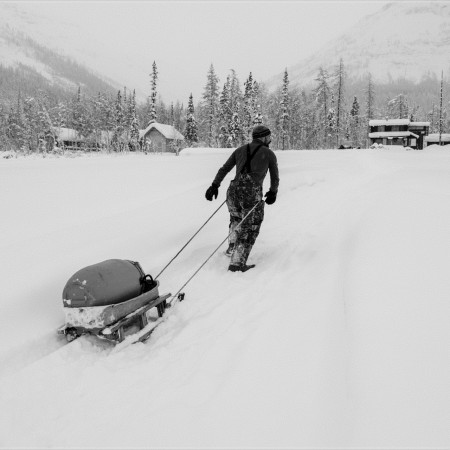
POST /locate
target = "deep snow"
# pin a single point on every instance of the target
(338, 338)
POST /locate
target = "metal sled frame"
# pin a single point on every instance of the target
(115, 331)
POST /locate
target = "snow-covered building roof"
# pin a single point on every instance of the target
(67, 134)
(391, 134)
(168, 131)
(377, 122)
(434, 137)
(419, 124)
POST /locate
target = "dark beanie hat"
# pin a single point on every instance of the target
(260, 131)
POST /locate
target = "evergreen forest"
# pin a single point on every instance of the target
(334, 110)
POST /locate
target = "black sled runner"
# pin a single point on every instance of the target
(112, 300)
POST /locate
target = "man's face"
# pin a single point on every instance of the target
(268, 140)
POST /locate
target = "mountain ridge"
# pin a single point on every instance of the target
(402, 40)
(33, 63)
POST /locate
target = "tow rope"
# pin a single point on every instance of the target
(185, 245)
(179, 295)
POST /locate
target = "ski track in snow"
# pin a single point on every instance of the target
(338, 338)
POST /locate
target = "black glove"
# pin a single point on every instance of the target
(270, 197)
(212, 191)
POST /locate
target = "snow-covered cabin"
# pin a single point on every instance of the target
(68, 138)
(163, 138)
(398, 132)
(434, 139)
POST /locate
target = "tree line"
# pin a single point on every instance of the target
(334, 111)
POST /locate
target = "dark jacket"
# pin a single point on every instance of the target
(263, 161)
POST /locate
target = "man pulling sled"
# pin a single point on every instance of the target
(252, 162)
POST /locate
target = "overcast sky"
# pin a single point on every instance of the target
(185, 37)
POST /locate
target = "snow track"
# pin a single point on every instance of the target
(336, 339)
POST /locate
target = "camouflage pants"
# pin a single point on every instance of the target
(242, 195)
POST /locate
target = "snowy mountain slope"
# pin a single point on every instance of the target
(65, 38)
(22, 46)
(403, 40)
(338, 338)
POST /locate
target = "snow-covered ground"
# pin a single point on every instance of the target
(339, 337)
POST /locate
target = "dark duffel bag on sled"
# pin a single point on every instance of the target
(107, 283)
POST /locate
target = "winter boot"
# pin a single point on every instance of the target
(244, 268)
(229, 250)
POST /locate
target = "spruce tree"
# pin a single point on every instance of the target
(354, 123)
(211, 106)
(172, 115)
(77, 119)
(284, 111)
(96, 120)
(17, 124)
(117, 139)
(153, 82)
(256, 106)
(370, 105)
(225, 114)
(191, 124)
(322, 94)
(340, 85)
(248, 115)
(134, 125)
(45, 129)
(331, 121)
(235, 131)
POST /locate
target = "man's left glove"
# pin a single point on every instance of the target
(271, 197)
(212, 191)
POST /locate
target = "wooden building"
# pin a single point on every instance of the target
(421, 129)
(67, 138)
(434, 139)
(162, 137)
(398, 132)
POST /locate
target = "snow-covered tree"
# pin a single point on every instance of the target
(340, 99)
(172, 115)
(134, 125)
(441, 116)
(236, 130)
(225, 114)
(322, 95)
(250, 108)
(191, 124)
(370, 98)
(354, 123)
(210, 106)
(397, 107)
(370, 105)
(153, 96)
(117, 139)
(433, 118)
(284, 112)
(258, 117)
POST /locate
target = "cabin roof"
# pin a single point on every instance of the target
(392, 134)
(375, 123)
(168, 131)
(67, 134)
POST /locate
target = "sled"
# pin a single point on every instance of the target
(112, 300)
(115, 322)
